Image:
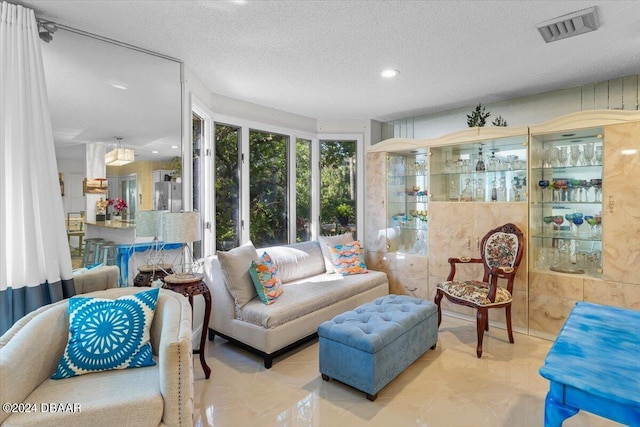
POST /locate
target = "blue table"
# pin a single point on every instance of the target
(594, 365)
(126, 251)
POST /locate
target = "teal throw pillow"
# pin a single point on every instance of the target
(348, 258)
(264, 275)
(106, 334)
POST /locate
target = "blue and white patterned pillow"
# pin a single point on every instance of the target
(107, 334)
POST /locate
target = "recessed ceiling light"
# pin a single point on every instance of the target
(389, 73)
(118, 85)
(174, 146)
(155, 152)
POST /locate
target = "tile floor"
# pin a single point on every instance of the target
(446, 387)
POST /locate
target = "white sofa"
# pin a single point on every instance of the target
(310, 296)
(154, 395)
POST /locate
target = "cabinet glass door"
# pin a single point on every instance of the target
(407, 201)
(566, 202)
(486, 171)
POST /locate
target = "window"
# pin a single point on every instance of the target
(227, 186)
(303, 190)
(338, 186)
(271, 185)
(196, 152)
(268, 185)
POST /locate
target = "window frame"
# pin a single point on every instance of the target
(244, 125)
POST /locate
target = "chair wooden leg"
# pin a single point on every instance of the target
(482, 319)
(437, 300)
(508, 317)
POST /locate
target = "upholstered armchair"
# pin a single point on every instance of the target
(500, 254)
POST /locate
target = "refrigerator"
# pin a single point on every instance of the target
(167, 196)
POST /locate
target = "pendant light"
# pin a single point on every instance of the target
(119, 156)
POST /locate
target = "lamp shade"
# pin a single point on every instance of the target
(119, 157)
(181, 227)
(148, 223)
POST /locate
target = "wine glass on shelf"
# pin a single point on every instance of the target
(597, 186)
(569, 217)
(578, 220)
(548, 220)
(553, 156)
(598, 217)
(562, 155)
(544, 184)
(592, 221)
(598, 155)
(589, 152)
(576, 195)
(575, 155)
(558, 220)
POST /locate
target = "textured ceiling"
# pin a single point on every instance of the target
(322, 59)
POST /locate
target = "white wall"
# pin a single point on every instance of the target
(253, 112)
(371, 129)
(620, 93)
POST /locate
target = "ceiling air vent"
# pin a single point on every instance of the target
(569, 25)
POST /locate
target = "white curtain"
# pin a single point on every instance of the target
(35, 262)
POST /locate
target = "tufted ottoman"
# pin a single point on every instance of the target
(368, 347)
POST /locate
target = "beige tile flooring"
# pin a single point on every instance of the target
(446, 387)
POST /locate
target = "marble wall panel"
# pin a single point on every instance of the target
(612, 293)
(621, 199)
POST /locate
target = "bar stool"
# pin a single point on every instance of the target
(106, 253)
(89, 255)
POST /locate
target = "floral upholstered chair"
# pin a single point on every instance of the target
(501, 252)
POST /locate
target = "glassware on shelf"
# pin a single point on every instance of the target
(575, 155)
(467, 192)
(562, 156)
(578, 220)
(502, 191)
(589, 153)
(512, 160)
(480, 190)
(543, 184)
(454, 194)
(569, 217)
(553, 156)
(494, 191)
(598, 155)
(558, 220)
(591, 220)
(548, 220)
(596, 183)
(480, 163)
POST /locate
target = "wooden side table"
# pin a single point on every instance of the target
(147, 274)
(189, 287)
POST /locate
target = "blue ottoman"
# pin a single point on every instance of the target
(368, 347)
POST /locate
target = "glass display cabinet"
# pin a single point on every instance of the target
(407, 202)
(566, 202)
(492, 170)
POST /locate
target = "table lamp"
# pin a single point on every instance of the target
(148, 224)
(182, 227)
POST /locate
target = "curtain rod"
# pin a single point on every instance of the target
(108, 40)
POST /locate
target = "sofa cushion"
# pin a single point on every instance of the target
(348, 259)
(107, 334)
(326, 241)
(309, 295)
(297, 260)
(264, 274)
(113, 398)
(235, 269)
